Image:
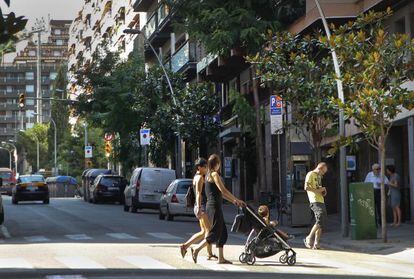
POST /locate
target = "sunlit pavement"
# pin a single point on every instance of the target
(73, 239)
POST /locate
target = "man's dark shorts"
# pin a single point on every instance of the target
(319, 211)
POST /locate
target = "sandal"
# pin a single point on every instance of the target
(183, 251)
(307, 244)
(316, 247)
(225, 262)
(193, 255)
(212, 257)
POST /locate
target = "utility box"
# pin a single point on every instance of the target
(362, 209)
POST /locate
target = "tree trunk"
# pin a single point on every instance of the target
(383, 195)
(261, 172)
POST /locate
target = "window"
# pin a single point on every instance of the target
(56, 53)
(30, 88)
(30, 102)
(29, 113)
(32, 53)
(30, 75)
(182, 187)
(58, 32)
(53, 75)
(59, 42)
(9, 89)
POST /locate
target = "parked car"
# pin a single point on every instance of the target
(88, 177)
(173, 201)
(1, 205)
(9, 181)
(108, 187)
(30, 188)
(146, 187)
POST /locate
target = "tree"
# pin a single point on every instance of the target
(10, 25)
(299, 71)
(222, 26)
(27, 141)
(375, 66)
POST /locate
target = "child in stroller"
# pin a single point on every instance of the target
(264, 239)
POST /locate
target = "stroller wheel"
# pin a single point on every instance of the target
(243, 258)
(251, 260)
(283, 259)
(291, 260)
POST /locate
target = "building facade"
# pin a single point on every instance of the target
(20, 77)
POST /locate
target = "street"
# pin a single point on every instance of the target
(73, 239)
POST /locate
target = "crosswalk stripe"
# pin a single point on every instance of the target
(15, 263)
(401, 268)
(121, 236)
(36, 238)
(294, 268)
(349, 268)
(79, 263)
(145, 262)
(78, 236)
(213, 265)
(163, 235)
(65, 277)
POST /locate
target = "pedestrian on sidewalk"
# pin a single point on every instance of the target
(215, 192)
(316, 193)
(394, 195)
(374, 177)
(199, 210)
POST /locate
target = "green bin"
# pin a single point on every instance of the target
(362, 205)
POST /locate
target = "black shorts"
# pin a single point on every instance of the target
(319, 211)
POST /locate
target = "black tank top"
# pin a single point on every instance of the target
(213, 193)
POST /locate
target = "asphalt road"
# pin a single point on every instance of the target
(72, 239)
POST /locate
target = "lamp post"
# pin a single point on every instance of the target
(179, 151)
(55, 142)
(342, 150)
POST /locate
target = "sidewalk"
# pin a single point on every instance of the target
(399, 239)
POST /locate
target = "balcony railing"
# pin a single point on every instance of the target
(156, 19)
(183, 56)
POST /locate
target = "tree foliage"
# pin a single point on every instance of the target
(28, 139)
(10, 25)
(376, 65)
(300, 71)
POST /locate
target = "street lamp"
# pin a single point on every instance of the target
(55, 142)
(179, 151)
(342, 150)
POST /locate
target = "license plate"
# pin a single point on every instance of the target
(149, 197)
(31, 188)
(112, 188)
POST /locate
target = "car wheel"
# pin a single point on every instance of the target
(161, 216)
(14, 200)
(170, 217)
(133, 208)
(46, 201)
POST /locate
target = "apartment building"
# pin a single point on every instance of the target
(98, 21)
(20, 77)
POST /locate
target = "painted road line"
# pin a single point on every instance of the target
(145, 262)
(13, 263)
(121, 236)
(297, 268)
(5, 232)
(65, 277)
(213, 265)
(37, 238)
(341, 266)
(391, 267)
(78, 236)
(163, 235)
(79, 263)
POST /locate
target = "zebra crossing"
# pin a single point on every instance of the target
(313, 266)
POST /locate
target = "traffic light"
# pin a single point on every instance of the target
(22, 100)
(108, 148)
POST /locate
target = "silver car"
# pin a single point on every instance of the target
(173, 202)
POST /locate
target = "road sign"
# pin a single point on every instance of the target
(88, 152)
(109, 137)
(276, 115)
(145, 136)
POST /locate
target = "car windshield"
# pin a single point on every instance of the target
(6, 175)
(111, 181)
(182, 187)
(32, 178)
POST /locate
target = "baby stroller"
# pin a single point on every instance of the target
(264, 243)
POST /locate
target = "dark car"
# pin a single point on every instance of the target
(108, 187)
(30, 188)
(88, 177)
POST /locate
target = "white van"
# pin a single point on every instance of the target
(146, 188)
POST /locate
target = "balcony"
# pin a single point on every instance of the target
(142, 5)
(12, 80)
(158, 26)
(184, 59)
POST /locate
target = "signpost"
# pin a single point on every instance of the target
(108, 137)
(88, 152)
(145, 140)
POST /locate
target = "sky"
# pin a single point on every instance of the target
(32, 9)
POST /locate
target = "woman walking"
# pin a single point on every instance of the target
(394, 194)
(199, 210)
(215, 192)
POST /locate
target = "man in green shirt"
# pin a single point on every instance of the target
(316, 193)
